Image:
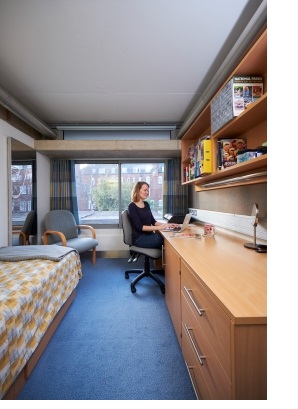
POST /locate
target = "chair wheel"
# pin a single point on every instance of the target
(126, 275)
(162, 290)
(133, 289)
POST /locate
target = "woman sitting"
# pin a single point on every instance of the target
(144, 225)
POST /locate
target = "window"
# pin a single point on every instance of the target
(21, 180)
(104, 189)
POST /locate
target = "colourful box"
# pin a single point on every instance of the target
(234, 98)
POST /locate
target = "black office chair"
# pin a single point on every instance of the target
(135, 252)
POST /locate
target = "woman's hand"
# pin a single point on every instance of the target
(163, 226)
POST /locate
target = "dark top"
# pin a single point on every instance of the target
(140, 217)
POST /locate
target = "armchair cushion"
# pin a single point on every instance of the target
(80, 244)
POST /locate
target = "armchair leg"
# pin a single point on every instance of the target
(94, 256)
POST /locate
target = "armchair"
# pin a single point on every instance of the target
(21, 237)
(61, 229)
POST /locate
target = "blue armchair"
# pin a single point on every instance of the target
(61, 229)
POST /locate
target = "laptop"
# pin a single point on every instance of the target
(182, 227)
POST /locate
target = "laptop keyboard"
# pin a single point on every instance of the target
(172, 229)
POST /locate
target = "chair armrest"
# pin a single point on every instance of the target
(19, 232)
(58, 233)
(86, 226)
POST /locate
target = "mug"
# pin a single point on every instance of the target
(209, 230)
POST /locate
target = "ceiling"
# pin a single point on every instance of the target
(117, 61)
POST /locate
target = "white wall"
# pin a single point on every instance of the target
(3, 191)
(7, 131)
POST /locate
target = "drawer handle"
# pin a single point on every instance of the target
(200, 310)
(189, 368)
(200, 357)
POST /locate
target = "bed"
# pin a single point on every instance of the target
(37, 286)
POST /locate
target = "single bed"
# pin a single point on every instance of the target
(37, 286)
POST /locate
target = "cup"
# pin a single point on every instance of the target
(209, 230)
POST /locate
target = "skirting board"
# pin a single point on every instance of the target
(234, 222)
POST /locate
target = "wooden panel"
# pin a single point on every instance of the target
(249, 343)
(172, 286)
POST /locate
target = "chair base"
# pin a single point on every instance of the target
(146, 272)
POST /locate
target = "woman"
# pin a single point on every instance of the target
(143, 224)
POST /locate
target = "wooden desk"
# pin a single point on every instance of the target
(228, 282)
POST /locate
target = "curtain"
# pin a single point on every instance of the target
(63, 187)
(175, 197)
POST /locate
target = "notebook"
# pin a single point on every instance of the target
(182, 227)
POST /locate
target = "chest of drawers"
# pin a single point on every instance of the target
(223, 327)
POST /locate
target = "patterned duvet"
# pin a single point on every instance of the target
(31, 294)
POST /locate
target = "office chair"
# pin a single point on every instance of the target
(62, 230)
(149, 254)
(25, 231)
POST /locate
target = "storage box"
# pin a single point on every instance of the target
(234, 98)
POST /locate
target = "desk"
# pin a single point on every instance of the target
(216, 293)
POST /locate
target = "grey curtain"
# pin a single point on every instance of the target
(63, 194)
(175, 198)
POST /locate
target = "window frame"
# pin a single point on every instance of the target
(120, 163)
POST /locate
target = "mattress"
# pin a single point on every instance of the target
(31, 294)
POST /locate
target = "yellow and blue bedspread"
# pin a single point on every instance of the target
(31, 293)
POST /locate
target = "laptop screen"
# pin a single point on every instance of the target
(183, 226)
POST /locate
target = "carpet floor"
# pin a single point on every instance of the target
(112, 344)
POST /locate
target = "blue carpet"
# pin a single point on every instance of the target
(112, 344)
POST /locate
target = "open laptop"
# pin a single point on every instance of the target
(182, 227)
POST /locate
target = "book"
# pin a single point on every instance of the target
(203, 156)
(227, 151)
(246, 90)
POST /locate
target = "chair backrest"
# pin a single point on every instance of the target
(27, 226)
(127, 230)
(63, 221)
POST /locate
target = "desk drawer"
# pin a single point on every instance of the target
(194, 369)
(212, 320)
(209, 374)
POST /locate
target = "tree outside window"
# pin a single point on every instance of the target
(104, 189)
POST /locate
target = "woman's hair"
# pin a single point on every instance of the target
(135, 191)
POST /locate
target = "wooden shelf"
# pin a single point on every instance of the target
(200, 126)
(253, 116)
(251, 125)
(243, 168)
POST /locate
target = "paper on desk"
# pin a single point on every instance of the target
(186, 235)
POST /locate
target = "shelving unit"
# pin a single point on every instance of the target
(251, 125)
